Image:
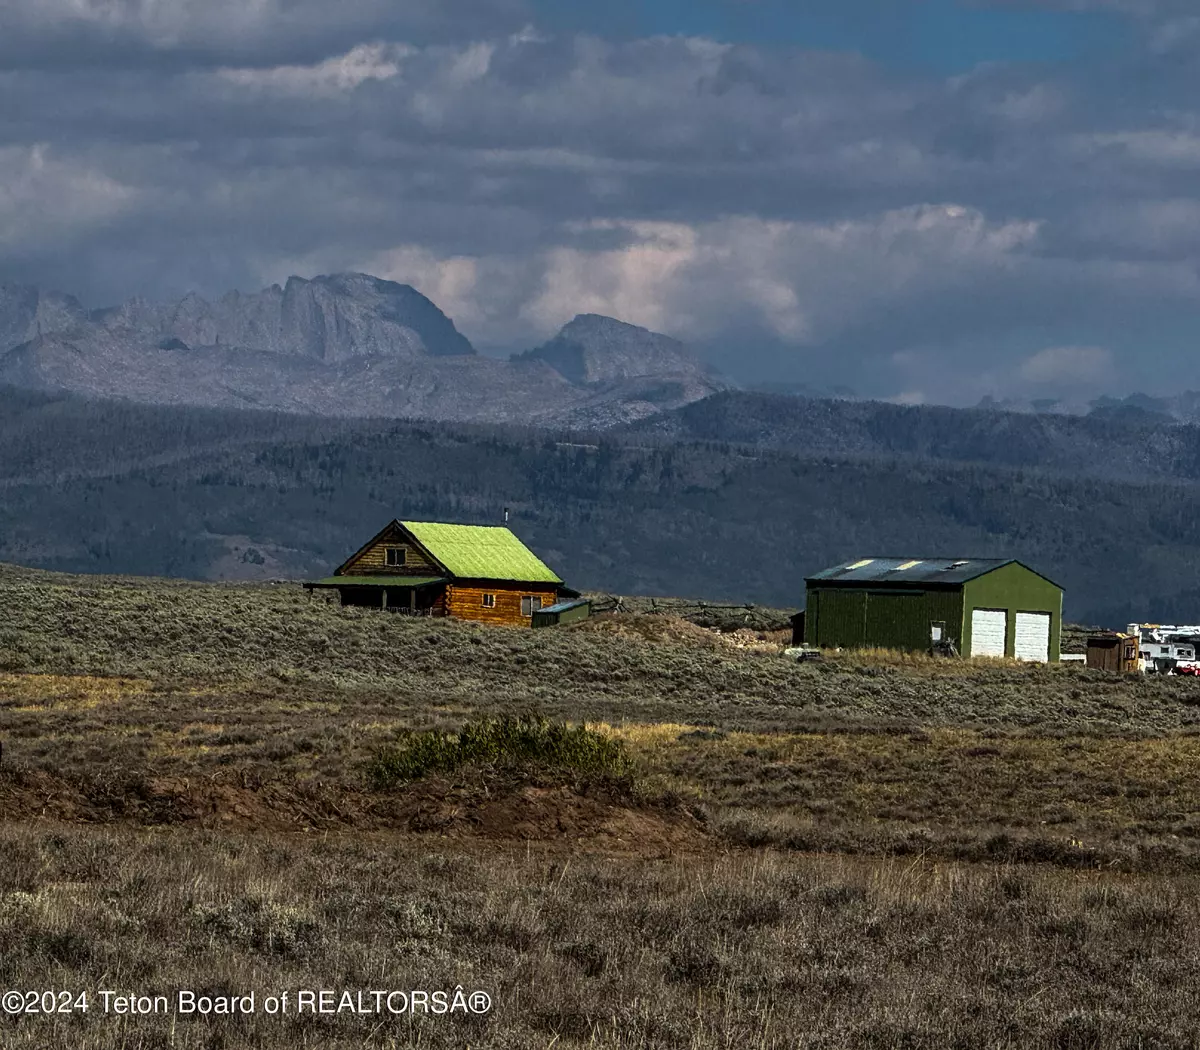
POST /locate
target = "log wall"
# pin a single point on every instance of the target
(466, 601)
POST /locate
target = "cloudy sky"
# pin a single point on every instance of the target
(927, 200)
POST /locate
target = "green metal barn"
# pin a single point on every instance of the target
(983, 606)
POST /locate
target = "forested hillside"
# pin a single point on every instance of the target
(211, 494)
(1123, 442)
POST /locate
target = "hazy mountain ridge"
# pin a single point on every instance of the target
(98, 486)
(1127, 445)
(345, 344)
(1183, 407)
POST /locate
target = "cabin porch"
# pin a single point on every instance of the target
(416, 596)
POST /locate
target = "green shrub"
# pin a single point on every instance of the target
(509, 743)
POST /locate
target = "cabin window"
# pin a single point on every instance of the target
(395, 556)
(489, 601)
(529, 604)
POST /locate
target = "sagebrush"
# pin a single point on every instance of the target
(522, 743)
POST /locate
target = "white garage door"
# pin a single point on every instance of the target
(988, 628)
(1033, 637)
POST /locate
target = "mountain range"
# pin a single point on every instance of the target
(347, 345)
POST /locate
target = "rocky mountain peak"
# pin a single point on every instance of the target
(331, 318)
(593, 348)
(26, 313)
(356, 296)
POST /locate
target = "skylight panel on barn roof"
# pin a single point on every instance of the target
(909, 564)
(861, 564)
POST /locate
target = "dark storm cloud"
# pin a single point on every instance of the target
(841, 210)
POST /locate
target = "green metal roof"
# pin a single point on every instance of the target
(482, 552)
(904, 571)
(378, 581)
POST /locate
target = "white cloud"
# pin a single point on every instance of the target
(163, 23)
(331, 76)
(1158, 146)
(527, 34)
(803, 283)
(633, 283)
(1086, 366)
(45, 197)
(1033, 104)
(253, 33)
(471, 64)
(1158, 228)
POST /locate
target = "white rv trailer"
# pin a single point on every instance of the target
(1166, 648)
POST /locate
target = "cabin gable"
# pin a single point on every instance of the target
(392, 553)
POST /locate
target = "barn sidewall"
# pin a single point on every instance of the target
(888, 618)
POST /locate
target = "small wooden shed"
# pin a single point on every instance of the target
(1113, 652)
(563, 613)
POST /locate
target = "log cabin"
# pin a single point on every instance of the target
(430, 568)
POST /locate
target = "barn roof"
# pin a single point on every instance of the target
(914, 570)
(485, 552)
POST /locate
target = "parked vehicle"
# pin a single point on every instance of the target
(1167, 649)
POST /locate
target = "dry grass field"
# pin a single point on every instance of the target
(866, 851)
(597, 949)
